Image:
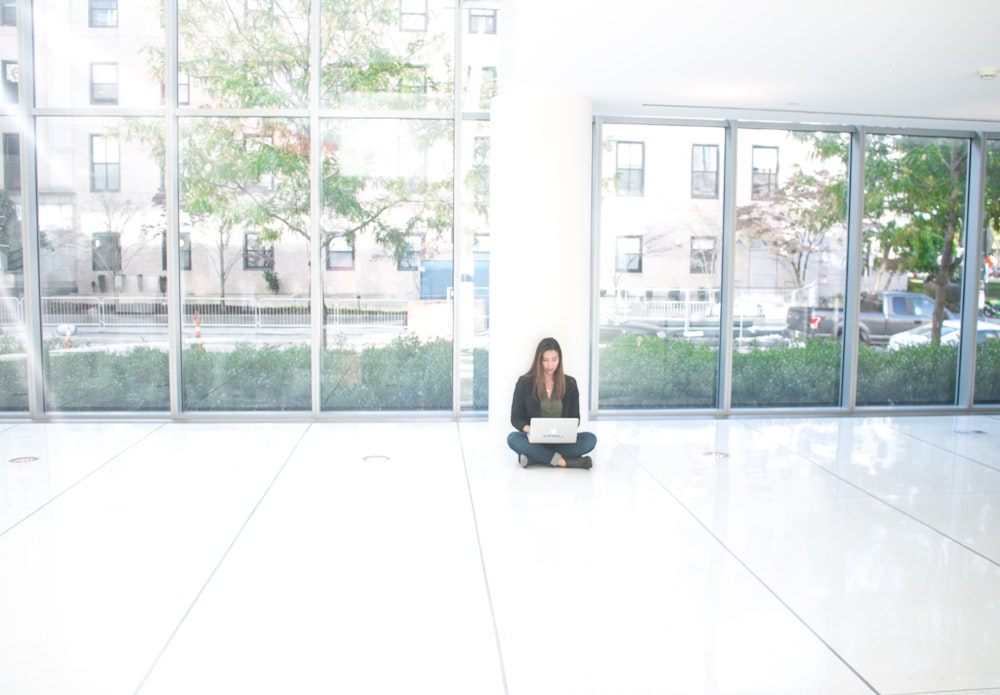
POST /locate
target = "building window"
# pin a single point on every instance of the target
(413, 15)
(765, 172)
(8, 13)
(482, 21)
(339, 252)
(11, 77)
(11, 162)
(628, 254)
(703, 255)
(410, 258)
(704, 171)
(104, 83)
(185, 250)
(103, 13)
(105, 165)
(106, 252)
(183, 90)
(257, 253)
(488, 87)
(629, 168)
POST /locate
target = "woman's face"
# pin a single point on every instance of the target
(550, 362)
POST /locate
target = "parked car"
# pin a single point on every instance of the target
(882, 316)
(612, 327)
(950, 334)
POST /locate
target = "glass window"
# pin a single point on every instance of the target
(105, 165)
(703, 253)
(388, 330)
(104, 83)
(628, 259)
(106, 251)
(339, 252)
(912, 266)
(184, 247)
(482, 21)
(10, 80)
(413, 15)
(257, 253)
(96, 243)
(103, 13)
(704, 171)
(659, 328)
(630, 168)
(8, 13)
(764, 179)
(11, 162)
(987, 377)
(789, 269)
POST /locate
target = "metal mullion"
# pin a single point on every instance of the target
(972, 263)
(852, 301)
(31, 268)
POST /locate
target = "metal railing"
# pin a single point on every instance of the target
(236, 312)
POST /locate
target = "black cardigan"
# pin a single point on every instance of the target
(526, 404)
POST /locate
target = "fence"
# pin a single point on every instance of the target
(239, 312)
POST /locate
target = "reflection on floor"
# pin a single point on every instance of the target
(802, 556)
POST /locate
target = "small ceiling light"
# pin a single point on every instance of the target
(988, 73)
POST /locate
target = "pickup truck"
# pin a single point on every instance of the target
(883, 314)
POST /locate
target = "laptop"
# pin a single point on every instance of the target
(553, 430)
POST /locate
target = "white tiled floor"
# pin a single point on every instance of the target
(769, 556)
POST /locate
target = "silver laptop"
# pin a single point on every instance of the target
(553, 430)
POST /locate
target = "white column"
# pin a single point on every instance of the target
(540, 243)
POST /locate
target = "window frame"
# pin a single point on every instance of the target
(106, 9)
(763, 182)
(628, 261)
(411, 21)
(482, 21)
(626, 176)
(699, 264)
(12, 162)
(110, 165)
(97, 88)
(698, 174)
(335, 240)
(110, 261)
(263, 250)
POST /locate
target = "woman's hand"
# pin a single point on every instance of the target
(526, 429)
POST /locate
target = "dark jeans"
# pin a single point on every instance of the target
(542, 453)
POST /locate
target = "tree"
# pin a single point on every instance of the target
(914, 204)
(795, 222)
(253, 173)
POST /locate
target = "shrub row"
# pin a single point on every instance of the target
(409, 374)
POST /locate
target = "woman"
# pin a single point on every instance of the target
(546, 391)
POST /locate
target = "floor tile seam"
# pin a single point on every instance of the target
(756, 577)
(936, 445)
(886, 501)
(77, 482)
(221, 561)
(482, 561)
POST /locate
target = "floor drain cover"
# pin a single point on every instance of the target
(717, 454)
(376, 458)
(23, 459)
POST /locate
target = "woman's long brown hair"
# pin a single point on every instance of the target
(538, 373)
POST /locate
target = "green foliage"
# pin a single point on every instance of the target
(248, 377)
(787, 376)
(656, 373)
(82, 379)
(916, 375)
(988, 372)
(13, 375)
(404, 375)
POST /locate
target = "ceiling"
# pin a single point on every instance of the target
(868, 62)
